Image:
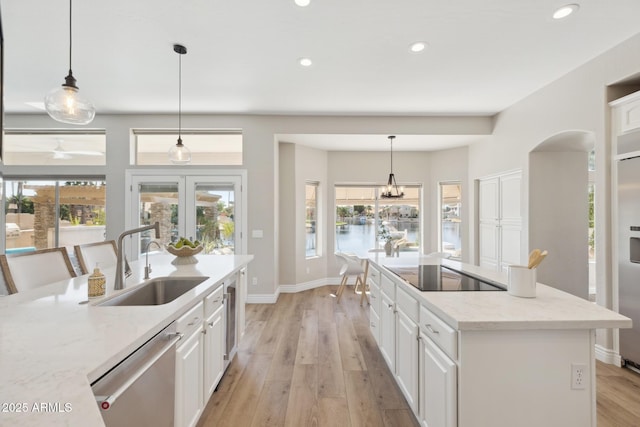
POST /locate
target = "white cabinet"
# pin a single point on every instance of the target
(214, 342)
(627, 115)
(407, 352)
(438, 386)
(375, 302)
(500, 221)
(388, 330)
(189, 368)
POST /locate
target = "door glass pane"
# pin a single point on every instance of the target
(451, 223)
(215, 217)
(158, 202)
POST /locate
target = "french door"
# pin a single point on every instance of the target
(199, 206)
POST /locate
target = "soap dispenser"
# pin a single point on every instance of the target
(97, 282)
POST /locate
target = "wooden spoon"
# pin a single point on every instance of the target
(533, 256)
(538, 260)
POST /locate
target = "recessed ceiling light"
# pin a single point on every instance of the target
(302, 3)
(565, 11)
(418, 46)
(305, 62)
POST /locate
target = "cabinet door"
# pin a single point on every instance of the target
(189, 384)
(388, 331)
(214, 347)
(438, 386)
(489, 208)
(407, 353)
(374, 324)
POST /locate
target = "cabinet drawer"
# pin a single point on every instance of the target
(213, 301)
(191, 320)
(374, 297)
(388, 286)
(407, 304)
(374, 275)
(442, 334)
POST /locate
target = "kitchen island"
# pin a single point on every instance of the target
(53, 344)
(470, 359)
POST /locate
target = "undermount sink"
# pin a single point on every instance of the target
(158, 291)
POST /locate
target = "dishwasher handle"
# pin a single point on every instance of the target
(105, 402)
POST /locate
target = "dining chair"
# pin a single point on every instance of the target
(351, 266)
(90, 254)
(30, 270)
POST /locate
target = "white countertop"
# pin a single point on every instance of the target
(52, 347)
(550, 309)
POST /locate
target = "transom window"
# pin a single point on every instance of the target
(208, 147)
(35, 147)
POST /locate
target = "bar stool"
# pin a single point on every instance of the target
(30, 270)
(88, 255)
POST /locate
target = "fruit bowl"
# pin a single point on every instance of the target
(185, 254)
(184, 251)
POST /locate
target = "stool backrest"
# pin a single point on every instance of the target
(30, 270)
(90, 254)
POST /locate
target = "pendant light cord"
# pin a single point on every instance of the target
(180, 98)
(70, 38)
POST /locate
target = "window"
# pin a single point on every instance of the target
(361, 214)
(450, 219)
(48, 214)
(208, 147)
(311, 219)
(49, 147)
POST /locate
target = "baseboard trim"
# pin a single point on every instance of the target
(290, 289)
(263, 298)
(608, 356)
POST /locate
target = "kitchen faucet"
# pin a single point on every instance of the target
(147, 266)
(120, 279)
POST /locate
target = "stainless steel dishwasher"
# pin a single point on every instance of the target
(140, 390)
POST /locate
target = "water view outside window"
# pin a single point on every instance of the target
(450, 219)
(361, 217)
(311, 219)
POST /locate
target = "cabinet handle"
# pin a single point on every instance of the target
(217, 299)
(390, 306)
(211, 324)
(373, 325)
(430, 329)
(194, 321)
(373, 296)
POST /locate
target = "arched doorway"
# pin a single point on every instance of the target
(559, 209)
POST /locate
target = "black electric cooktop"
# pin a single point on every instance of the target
(435, 278)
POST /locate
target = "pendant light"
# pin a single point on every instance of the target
(65, 104)
(179, 154)
(391, 191)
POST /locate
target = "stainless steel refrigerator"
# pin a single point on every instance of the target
(629, 256)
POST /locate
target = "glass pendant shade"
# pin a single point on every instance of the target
(66, 105)
(179, 154)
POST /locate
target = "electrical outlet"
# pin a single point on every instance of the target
(578, 376)
(254, 281)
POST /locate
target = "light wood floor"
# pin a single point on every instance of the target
(307, 361)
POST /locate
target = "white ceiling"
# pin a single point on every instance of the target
(483, 55)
